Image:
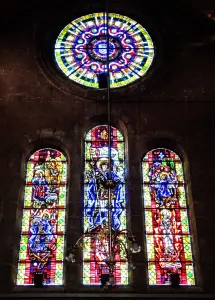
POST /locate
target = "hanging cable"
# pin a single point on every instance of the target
(109, 141)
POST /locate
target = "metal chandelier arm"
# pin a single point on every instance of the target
(130, 248)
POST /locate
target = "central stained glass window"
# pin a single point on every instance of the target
(96, 203)
(83, 46)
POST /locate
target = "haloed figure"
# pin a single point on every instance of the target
(164, 182)
(40, 186)
(97, 192)
(41, 240)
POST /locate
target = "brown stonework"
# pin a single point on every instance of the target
(174, 108)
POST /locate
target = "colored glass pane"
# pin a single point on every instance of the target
(168, 239)
(81, 49)
(96, 208)
(43, 220)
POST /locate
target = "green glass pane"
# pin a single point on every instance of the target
(182, 196)
(28, 196)
(190, 274)
(61, 220)
(62, 196)
(152, 273)
(187, 247)
(60, 248)
(148, 221)
(184, 221)
(147, 196)
(145, 170)
(150, 247)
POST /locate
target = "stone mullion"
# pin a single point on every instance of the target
(136, 210)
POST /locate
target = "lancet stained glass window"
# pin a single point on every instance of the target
(43, 221)
(81, 49)
(166, 218)
(96, 202)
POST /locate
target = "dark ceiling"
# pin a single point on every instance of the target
(12, 7)
(190, 19)
(196, 13)
(178, 25)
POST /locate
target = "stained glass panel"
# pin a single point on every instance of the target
(96, 208)
(168, 237)
(81, 49)
(43, 221)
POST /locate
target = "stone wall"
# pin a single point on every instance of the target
(176, 111)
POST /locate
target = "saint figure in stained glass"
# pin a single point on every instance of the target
(166, 218)
(43, 221)
(164, 182)
(98, 174)
(97, 193)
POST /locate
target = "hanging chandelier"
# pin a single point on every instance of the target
(111, 243)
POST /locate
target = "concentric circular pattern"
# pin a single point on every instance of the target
(82, 48)
(97, 48)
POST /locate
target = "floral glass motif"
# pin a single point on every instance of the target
(96, 201)
(81, 49)
(168, 237)
(43, 221)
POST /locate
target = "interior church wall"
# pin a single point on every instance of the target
(178, 108)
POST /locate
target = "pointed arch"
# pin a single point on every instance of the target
(96, 201)
(43, 219)
(168, 236)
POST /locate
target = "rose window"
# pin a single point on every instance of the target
(86, 45)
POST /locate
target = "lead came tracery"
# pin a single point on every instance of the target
(81, 49)
(96, 205)
(43, 220)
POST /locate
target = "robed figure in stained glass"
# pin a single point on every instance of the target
(42, 237)
(166, 218)
(40, 186)
(104, 202)
(164, 182)
(97, 192)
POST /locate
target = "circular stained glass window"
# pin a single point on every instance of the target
(83, 49)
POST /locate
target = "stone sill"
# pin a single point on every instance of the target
(40, 293)
(153, 292)
(31, 289)
(117, 290)
(169, 289)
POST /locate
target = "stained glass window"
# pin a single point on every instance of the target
(43, 221)
(96, 197)
(81, 49)
(168, 238)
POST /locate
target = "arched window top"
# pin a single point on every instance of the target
(43, 220)
(101, 133)
(161, 154)
(53, 153)
(168, 235)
